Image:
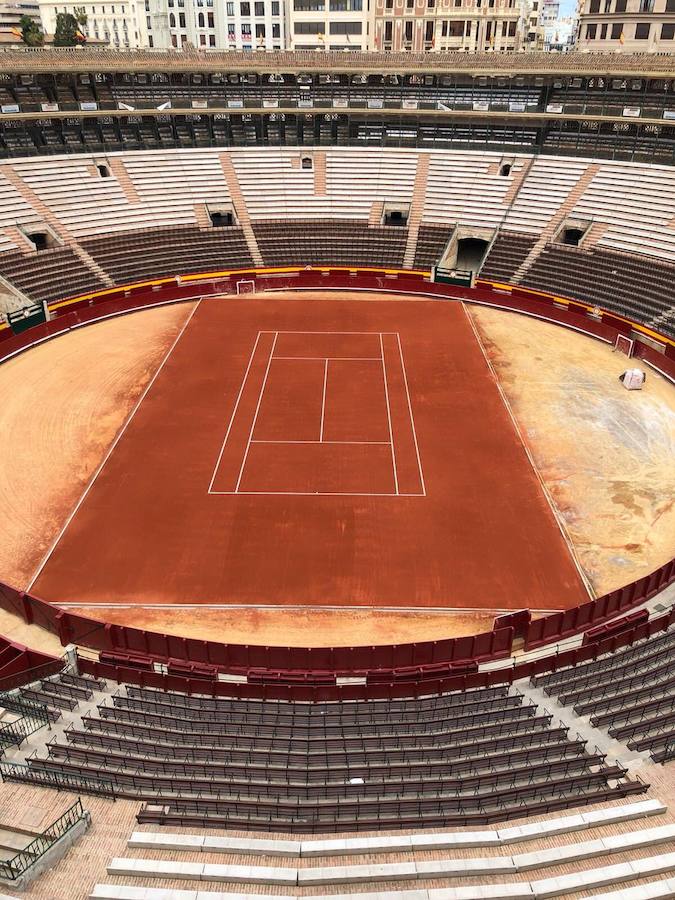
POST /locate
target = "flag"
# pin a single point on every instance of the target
(622, 38)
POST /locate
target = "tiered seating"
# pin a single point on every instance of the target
(607, 848)
(431, 242)
(57, 272)
(547, 186)
(158, 252)
(631, 693)
(466, 188)
(345, 242)
(638, 203)
(634, 285)
(475, 756)
(508, 251)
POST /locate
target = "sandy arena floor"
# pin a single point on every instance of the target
(563, 388)
(606, 454)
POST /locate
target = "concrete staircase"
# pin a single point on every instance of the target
(320, 174)
(202, 216)
(556, 221)
(240, 209)
(594, 233)
(419, 195)
(57, 227)
(119, 171)
(376, 211)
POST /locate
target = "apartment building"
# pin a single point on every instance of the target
(119, 23)
(329, 24)
(629, 26)
(470, 25)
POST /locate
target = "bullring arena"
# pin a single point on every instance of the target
(336, 559)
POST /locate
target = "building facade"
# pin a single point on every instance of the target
(470, 25)
(630, 26)
(329, 24)
(119, 23)
(216, 24)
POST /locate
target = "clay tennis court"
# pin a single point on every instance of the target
(317, 453)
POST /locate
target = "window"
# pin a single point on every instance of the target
(594, 6)
(309, 5)
(456, 28)
(346, 5)
(617, 30)
(275, 7)
(646, 6)
(429, 31)
(181, 19)
(202, 40)
(210, 20)
(670, 5)
(431, 4)
(388, 29)
(590, 32)
(620, 6)
(308, 27)
(642, 30)
(230, 8)
(668, 32)
(172, 20)
(408, 31)
(258, 8)
(260, 30)
(409, 4)
(276, 30)
(345, 28)
(200, 20)
(388, 4)
(603, 31)
(245, 8)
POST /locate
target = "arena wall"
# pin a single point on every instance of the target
(153, 659)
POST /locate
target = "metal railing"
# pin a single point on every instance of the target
(13, 868)
(62, 781)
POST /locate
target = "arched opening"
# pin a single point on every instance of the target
(470, 253)
(306, 162)
(571, 236)
(505, 170)
(42, 240)
(396, 217)
(221, 219)
(103, 171)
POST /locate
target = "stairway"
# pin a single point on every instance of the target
(201, 216)
(419, 195)
(240, 209)
(556, 221)
(57, 227)
(119, 170)
(376, 212)
(320, 174)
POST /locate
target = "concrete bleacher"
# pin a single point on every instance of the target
(545, 869)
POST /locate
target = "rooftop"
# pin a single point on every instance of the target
(99, 60)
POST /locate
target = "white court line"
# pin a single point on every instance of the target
(234, 411)
(323, 401)
(374, 333)
(313, 494)
(118, 437)
(412, 417)
(386, 394)
(349, 358)
(349, 443)
(257, 410)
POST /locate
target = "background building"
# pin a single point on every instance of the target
(454, 24)
(120, 23)
(329, 24)
(635, 26)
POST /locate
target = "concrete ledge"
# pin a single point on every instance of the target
(155, 840)
(126, 892)
(159, 868)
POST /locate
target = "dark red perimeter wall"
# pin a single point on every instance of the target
(172, 662)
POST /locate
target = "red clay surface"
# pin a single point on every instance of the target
(318, 452)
